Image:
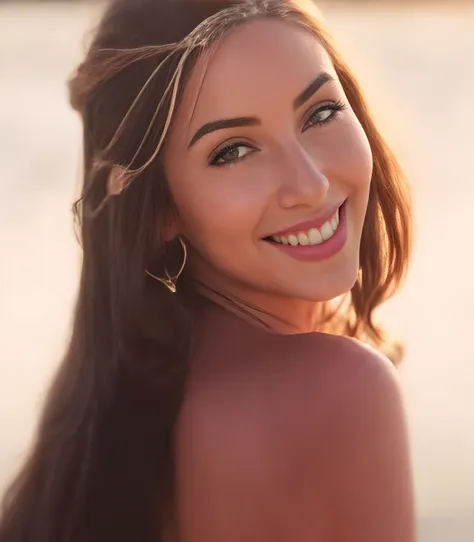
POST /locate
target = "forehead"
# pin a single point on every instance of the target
(256, 63)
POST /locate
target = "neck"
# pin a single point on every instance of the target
(274, 314)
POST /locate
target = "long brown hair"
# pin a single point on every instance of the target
(101, 466)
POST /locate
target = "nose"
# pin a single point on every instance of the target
(303, 180)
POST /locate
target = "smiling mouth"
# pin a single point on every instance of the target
(310, 237)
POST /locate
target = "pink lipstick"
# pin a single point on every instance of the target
(314, 240)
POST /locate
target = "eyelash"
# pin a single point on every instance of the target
(222, 151)
(335, 107)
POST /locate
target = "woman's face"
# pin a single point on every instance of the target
(269, 167)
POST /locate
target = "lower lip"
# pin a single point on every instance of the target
(323, 251)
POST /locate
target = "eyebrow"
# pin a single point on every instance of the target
(312, 88)
(222, 125)
(239, 122)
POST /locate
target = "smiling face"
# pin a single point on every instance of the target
(269, 167)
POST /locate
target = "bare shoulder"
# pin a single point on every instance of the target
(285, 432)
(348, 367)
(358, 423)
(332, 368)
(345, 385)
(364, 469)
(356, 385)
(327, 373)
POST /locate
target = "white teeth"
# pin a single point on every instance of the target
(326, 231)
(293, 240)
(314, 236)
(303, 239)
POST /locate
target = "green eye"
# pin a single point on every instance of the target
(230, 154)
(324, 114)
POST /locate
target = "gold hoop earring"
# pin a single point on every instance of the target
(170, 282)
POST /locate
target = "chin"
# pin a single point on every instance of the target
(328, 287)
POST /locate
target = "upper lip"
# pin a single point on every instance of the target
(316, 222)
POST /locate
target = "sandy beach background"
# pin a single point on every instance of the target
(416, 63)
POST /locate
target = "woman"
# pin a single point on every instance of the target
(241, 219)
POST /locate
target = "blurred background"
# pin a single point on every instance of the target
(416, 62)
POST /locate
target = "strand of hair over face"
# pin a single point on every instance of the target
(103, 64)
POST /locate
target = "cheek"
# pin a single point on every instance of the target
(357, 155)
(221, 210)
(348, 155)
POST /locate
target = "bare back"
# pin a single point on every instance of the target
(277, 437)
